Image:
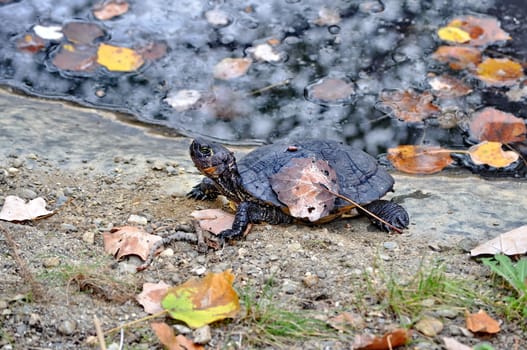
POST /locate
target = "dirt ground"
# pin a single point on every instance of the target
(55, 276)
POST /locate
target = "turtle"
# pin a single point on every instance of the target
(247, 182)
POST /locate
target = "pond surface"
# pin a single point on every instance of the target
(362, 48)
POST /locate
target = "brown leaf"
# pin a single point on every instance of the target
(453, 344)
(78, 59)
(481, 322)
(492, 153)
(231, 68)
(82, 32)
(166, 336)
(419, 159)
(151, 296)
(512, 242)
(499, 71)
(30, 43)
(153, 50)
(482, 30)
(408, 105)
(330, 91)
(458, 57)
(215, 220)
(297, 185)
(129, 240)
(17, 209)
(397, 337)
(109, 9)
(448, 86)
(490, 124)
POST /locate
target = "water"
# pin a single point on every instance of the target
(373, 46)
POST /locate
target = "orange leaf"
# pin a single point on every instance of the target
(409, 105)
(482, 31)
(492, 154)
(491, 124)
(499, 71)
(109, 9)
(458, 57)
(230, 68)
(30, 43)
(390, 340)
(128, 240)
(215, 220)
(166, 336)
(481, 322)
(419, 159)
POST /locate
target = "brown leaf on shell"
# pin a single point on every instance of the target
(513, 242)
(409, 105)
(151, 296)
(129, 240)
(499, 71)
(481, 322)
(458, 57)
(166, 336)
(448, 86)
(82, 32)
(76, 58)
(110, 9)
(390, 340)
(482, 30)
(31, 43)
(297, 185)
(419, 159)
(491, 124)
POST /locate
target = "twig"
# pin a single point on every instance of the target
(129, 324)
(176, 236)
(269, 87)
(98, 331)
(37, 289)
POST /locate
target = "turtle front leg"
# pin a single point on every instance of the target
(205, 190)
(249, 212)
(389, 211)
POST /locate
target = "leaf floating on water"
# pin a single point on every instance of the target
(409, 105)
(76, 58)
(327, 17)
(482, 31)
(481, 322)
(82, 32)
(183, 100)
(109, 9)
(198, 302)
(166, 336)
(419, 159)
(297, 185)
(153, 50)
(447, 86)
(129, 240)
(329, 91)
(492, 154)
(218, 18)
(30, 43)
(265, 52)
(17, 209)
(453, 34)
(231, 68)
(118, 58)
(458, 57)
(499, 71)
(490, 124)
(513, 242)
(390, 340)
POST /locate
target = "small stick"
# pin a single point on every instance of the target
(272, 86)
(129, 324)
(98, 331)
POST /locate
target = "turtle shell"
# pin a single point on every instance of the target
(359, 176)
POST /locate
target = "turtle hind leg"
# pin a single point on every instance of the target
(390, 212)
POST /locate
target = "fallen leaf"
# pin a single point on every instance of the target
(265, 52)
(118, 58)
(429, 326)
(481, 322)
(153, 50)
(481, 30)
(82, 32)
(151, 296)
(77, 59)
(198, 302)
(490, 124)
(512, 242)
(49, 32)
(129, 240)
(409, 105)
(492, 153)
(499, 71)
(17, 209)
(215, 220)
(30, 43)
(448, 86)
(395, 338)
(218, 18)
(166, 336)
(109, 9)
(297, 185)
(346, 320)
(458, 57)
(453, 34)
(330, 91)
(419, 159)
(231, 68)
(327, 17)
(453, 344)
(183, 100)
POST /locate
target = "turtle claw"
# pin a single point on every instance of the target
(229, 234)
(198, 193)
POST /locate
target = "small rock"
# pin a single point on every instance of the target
(182, 329)
(274, 257)
(385, 257)
(167, 252)
(27, 193)
(3, 304)
(310, 280)
(390, 245)
(6, 312)
(199, 270)
(68, 227)
(12, 171)
(158, 165)
(289, 287)
(448, 313)
(467, 244)
(457, 330)
(54, 261)
(434, 246)
(137, 220)
(429, 326)
(88, 237)
(17, 163)
(34, 319)
(67, 327)
(171, 170)
(202, 335)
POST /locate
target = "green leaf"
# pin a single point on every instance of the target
(515, 275)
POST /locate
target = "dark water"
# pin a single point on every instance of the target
(375, 46)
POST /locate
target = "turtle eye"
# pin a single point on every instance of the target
(206, 151)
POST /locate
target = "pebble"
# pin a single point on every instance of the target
(167, 252)
(137, 220)
(448, 313)
(34, 319)
(429, 326)
(12, 171)
(202, 335)
(158, 165)
(17, 163)
(27, 193)
(385, 257)
(68, 227)
(390, 245)
(289, 287)
(53, 261)
(467, 244)
(88, 237)
(67, 327)
(182, 329)
(199, 270)
(310, 280)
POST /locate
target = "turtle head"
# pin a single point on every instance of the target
(212, 159)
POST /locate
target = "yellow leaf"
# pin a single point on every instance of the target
(492, 154)
(500, 71)
(198, 302)
(118, 59)
(453, 34)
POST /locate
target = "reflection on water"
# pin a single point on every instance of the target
(317, 67)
